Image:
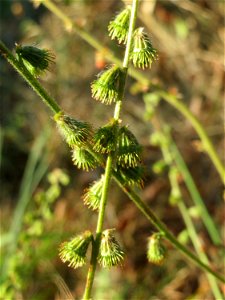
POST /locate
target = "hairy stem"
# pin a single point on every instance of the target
(198, 247)
(96, 244)
(109, 162)
(143, 207)
(168, 157)
(31, 80)
(206, 142)
(206, 218)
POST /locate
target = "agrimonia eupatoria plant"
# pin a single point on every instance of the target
(113, 141)
(112, 146)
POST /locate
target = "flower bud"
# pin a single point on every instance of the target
(131, 176)
(143, 54)
(36, 60)
(118, 28)
(128, 154)
(83, 159)
(152, 101)
(156, 139)
(156, 252)
(159, 166)
(74, 251)
(175, 193)
(93, 194)
(75, 133)
(110, 253)
(105, 138)
(105, 88)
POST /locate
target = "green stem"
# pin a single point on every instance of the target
(96, 244)
(171, 153)
(109, 162)
(149, 214)
(206, 218)
(32, 81)
(144, 81)
(167, 234)
(206, 142)
(168, 157)
(133, 18)
(105, 192)
(198, 247)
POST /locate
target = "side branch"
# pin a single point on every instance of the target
(29, 78)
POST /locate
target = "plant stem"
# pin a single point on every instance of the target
(143, 207)
(96, 243)
(206, 142)
(159, 225)
(169, 159)
(198, 247)
(206, 218)
(172, 154)
(109, 162)
(32, 81)
(145, 82)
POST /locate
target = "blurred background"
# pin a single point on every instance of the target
(41, 190)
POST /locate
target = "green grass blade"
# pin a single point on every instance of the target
(35, 169)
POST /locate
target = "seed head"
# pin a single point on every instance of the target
(143, 53)
(74, 251)
(105, 88)
(110, 253)
(75, 133)
(36, 60)
(156, 252)
(118, 28)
